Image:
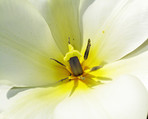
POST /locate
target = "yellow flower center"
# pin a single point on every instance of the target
(78, 71)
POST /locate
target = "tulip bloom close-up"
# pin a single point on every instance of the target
(73, 59)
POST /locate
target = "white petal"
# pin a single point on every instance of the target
(125, 29)
(124, 98)
(96, 15)
(36, 103)
(84, 4)
(64, 20)
(26, 46)
(139, 50)
(137, 66)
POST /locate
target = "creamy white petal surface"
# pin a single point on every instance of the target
(33, 31)
(63, 18)
(26, 46)
(141, 49)
(36, 103)
(136, 66)
(124, 98)
(125, 29)
(96, 15)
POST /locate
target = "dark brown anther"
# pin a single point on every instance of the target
(75, 66)
(63, 79)
(95, 68)
(68, 40)
(58, 62)
(87, 50)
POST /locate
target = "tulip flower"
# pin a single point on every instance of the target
(76, 59)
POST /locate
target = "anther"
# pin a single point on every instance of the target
(87, 50)
(68, 40)
(83, 78)
(95, 68)
(63, 79)
(58, 62)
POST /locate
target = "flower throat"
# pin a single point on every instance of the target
(76, 68)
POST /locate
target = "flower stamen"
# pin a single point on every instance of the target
(58, 62)
(95, 68)
(79, 71)
(87, 50)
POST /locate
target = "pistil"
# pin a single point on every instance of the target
(75, 66)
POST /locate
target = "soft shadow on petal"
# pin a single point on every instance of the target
(26, 46)
(36, 103)
(84, 4)
(125, 29)
(137, 66)
(64, 20)
(3, 96)
(137, 51)
(124, 98)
